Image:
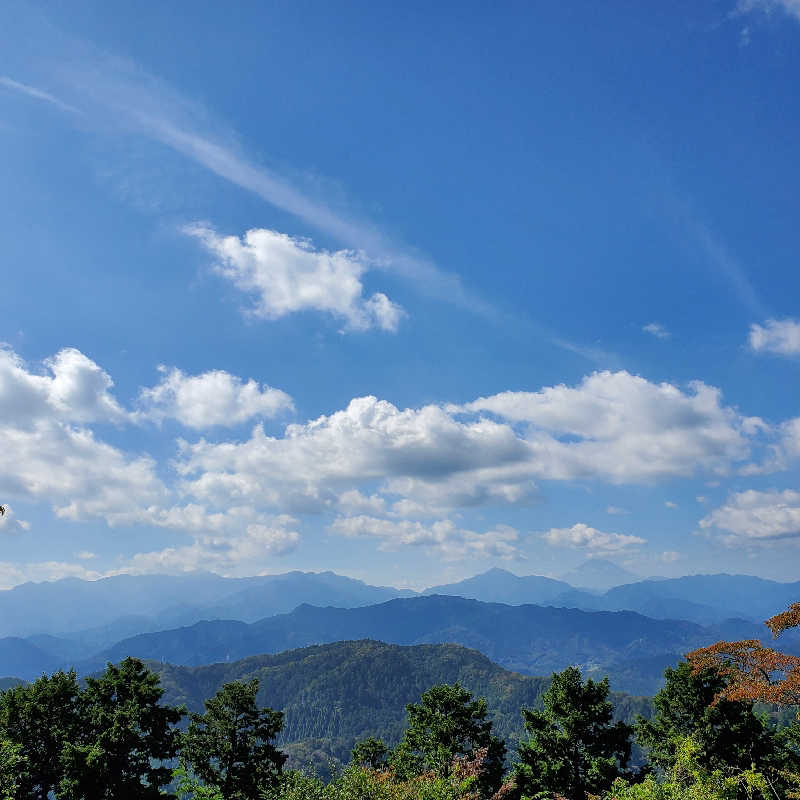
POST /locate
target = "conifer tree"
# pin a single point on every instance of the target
(229, 747)
(574, 748)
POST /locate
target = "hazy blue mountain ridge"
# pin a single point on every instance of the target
(81, 610)
(631, 648)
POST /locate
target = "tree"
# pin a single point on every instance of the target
(690, 778)
(230, 747)
(125, 737)
(730, 735)
(752, 671)
(370, 752)
(574, 748)
(12, 769)
(446, 725)
(38, 719)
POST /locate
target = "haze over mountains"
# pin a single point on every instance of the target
(533, 624)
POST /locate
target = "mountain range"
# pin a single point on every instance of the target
(537, 640)
(334, 694)
(200, 618)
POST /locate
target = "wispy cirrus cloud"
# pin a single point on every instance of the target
(656, 329)
(118, 92)
(36, 94)
(789, 7)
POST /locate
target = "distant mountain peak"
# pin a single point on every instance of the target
(599, 573)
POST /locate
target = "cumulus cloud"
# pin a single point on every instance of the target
(613, 427)
(48, 452)
(670, 556)
(10, 524)
(623, 428)
(776, 336)
(656, 329)
(755, 516)
(210, 399)
(285, 275)
(443, 537)
(72, 389)
(594, 542)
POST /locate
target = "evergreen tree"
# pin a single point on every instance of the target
(729, 734)
(230, 746)
(574, 748)
(125, 737)
(445, 725)
(38, 719)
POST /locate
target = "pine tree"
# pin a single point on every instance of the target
(574, 748)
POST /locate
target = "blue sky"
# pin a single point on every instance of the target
(399, 291)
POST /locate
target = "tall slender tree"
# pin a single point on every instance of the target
(575, 749)
(230, 746)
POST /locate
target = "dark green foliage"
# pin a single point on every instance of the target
(333, 695)
(124, 736)
(230, 746)
(38, 719)
(13, 769)
(574, 749)
(370, 752)
(447, 724)
(731, 736)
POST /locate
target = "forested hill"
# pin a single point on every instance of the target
(633, 650)
(334, 694)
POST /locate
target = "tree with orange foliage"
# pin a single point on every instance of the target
(754, 672)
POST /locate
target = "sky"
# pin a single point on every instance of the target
(403, 291)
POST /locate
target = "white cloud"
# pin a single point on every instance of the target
(790, 7)
(443, 537)
(286, 275)
(9, 524)
(776, 336)
(756, 516)
(656, 329)
(670, 556)
(85, 555)
(616, 510)
(613, 427)
(12, 574)
(76, 391)
(424, 455)
(670, 504)
(622, 428)
(593, 541)
(244, 552)
(212, 398)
